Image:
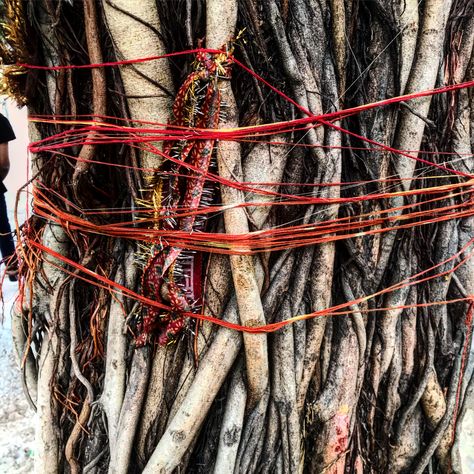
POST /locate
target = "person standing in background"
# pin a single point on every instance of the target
(7, 245)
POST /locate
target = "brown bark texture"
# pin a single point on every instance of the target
(381, 389)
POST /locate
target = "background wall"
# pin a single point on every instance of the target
(18, 153)
(16, 417)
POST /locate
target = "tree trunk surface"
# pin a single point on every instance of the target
(382, 387)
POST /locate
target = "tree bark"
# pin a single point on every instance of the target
(384, 387)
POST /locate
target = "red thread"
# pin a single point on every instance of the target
(148, 133)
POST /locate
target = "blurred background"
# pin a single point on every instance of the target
(16, 416)
(18, 151)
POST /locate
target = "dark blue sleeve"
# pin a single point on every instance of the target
(6, 131)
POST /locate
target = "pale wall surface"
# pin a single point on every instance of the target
(18, 156)
(18, 147)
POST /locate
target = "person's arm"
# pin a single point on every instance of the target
(4, 161)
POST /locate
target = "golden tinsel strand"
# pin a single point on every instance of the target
(13, 50)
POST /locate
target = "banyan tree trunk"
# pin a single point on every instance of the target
(380, 387)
